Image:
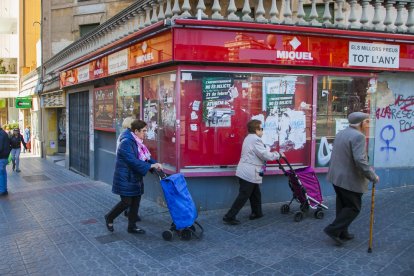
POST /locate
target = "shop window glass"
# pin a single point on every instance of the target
(127, 101)
(338, 96)
(159, 112)
(215, 109)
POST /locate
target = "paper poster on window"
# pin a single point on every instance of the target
(278, 93)
(218, 95)
(104, 111)
(340, 124)
(127, 101)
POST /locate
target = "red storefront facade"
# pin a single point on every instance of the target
(197, 84)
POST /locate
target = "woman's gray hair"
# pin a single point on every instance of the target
(127, 122)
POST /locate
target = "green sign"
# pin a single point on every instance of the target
(23, 102)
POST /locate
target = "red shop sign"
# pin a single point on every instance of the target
(294, 50)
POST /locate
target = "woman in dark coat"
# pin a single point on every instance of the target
(133, 161)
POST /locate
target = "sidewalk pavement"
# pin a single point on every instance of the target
(51, 223)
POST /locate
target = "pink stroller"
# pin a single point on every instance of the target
(306, 190)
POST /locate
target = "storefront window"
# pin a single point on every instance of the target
(338, 96)
(215, 108)
(127, 101)
(159, 112)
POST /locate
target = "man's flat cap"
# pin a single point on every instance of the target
(357, 117)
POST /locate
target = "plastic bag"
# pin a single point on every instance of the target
(9, 159)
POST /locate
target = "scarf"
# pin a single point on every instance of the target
(143, 152)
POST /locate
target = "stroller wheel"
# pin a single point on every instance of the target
(319, 214)
(285, 209)
(298, 216)
(167, 235)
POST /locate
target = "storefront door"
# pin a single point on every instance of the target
(79, 132)
(61, 120)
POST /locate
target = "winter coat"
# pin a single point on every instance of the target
(349, 167)
(16, 142)
(254, 155)
(4, 144)
(129, 170)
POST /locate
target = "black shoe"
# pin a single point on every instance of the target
(336, 239)
(136, 230)
(346, 236)
(4, 193)
(254, 216)
(109, 225)
(18, 170)
(231, 221)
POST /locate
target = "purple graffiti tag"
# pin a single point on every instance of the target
(390, 129)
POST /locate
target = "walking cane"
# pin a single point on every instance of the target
(371, 221)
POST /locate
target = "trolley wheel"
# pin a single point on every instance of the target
(298, 216)
(167, 235)
(285, 208)
(319, 214)
(304, 207)
(186, 234)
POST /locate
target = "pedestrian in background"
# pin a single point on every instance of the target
(133, 161)
(250, 173)
(126, 124)
(16, 141)
(350, 173)
(26, 138)
(4, 156)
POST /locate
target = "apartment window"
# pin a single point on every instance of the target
(84, 29)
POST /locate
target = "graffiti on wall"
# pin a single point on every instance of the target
(394, 121)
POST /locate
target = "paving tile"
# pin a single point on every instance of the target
(293, 265)
(239, 266)
(56, 227)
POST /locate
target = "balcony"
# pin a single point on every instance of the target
(9, 85)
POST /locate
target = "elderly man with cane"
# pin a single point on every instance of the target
(350, 173)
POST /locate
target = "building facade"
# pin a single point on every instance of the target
(9, 55)
(197, 72)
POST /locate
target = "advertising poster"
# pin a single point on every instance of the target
(127, 101)
(278, 93)
(118, 62)
(69, 77)
(83, 73)
(99, 68)
(104, 111)
(218, 95)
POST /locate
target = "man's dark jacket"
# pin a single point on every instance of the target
(4, 144)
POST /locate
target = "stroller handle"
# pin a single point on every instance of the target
(287, 163)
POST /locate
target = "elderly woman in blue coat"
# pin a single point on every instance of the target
(249, 171)
(133, 161)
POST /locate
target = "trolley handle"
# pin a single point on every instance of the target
(287, 163)
(160, 173)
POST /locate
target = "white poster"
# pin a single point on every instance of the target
(83, 73)
(118, 62)
(374, 55)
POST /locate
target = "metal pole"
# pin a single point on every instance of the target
(371, 221)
